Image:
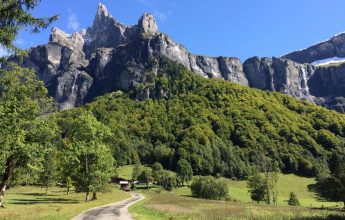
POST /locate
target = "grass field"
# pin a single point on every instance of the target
(26, 203)
(30, 203)
(287, 183)
(161, 205)
(179, 204)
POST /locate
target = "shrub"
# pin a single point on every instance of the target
(168, 181)
(210, 188)
(293, 201)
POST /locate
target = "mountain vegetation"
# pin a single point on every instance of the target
(218, 127)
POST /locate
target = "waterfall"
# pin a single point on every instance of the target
(305, 81)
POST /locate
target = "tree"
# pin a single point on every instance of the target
(146, 176)
(24, 135)
(209, 188)
(136, 171)
(68, 184)
(271, 177)
(168, 181)
(48, 174)
(157, 172)
(15, 16)
(257, 187)
(88, 152)
(333, 186)
(293, 201)
(184, 171)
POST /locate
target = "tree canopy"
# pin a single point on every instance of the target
(15, 15)
(218, 127)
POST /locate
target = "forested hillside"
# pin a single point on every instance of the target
(219, 127)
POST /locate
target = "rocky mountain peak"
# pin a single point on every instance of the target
(103, 18)
(74, 41)
(102, 11)
(331, 48)
(147, 24)
(111, 56)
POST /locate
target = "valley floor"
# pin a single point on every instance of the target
(27, 203)
(179, 204)
(161, 205)
(31, 203)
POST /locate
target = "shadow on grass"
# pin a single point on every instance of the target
(43, 201)
(330, 217)
(35, 194)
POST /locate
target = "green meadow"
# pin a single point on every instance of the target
(29, 202)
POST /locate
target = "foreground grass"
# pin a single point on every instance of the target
(160, 204)
(27, 203)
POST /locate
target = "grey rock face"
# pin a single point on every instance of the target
(110, 56)
(279, 75)
(329, 81)
(334, 47)
(147, 24)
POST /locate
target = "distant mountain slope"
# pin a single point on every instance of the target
(110, 56)
(219, 127)
(334, 47)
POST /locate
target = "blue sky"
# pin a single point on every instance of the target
(240, 28)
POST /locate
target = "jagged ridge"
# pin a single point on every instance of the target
(111, 56)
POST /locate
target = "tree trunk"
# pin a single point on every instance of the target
(268, 196)
(47, 190)
(87, 196)
(67, 190)
(5, 179)
(2, 193)
(94, 196)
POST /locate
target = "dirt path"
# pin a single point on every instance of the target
(115, 211)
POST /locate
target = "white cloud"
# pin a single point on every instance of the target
(73, 22)
(160, 11)
(162, 16)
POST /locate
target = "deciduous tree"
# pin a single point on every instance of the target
(184, 170)
(24, 136)
(87, 151)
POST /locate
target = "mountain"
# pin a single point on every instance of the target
(334, 47)
(110, 56)
(220, 128)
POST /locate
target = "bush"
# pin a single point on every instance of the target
(210, 188)
(168, 181)
(293, 201)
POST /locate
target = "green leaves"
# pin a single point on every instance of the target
(220, 128)
(210, 188)
(184, 170)
(15, 16)
(24, 135)
(87, 154)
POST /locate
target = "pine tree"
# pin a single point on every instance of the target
(293, 201)
(15, 15)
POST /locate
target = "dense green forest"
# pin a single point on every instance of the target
(220, 128)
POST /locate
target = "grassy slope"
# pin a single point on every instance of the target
(287, 183)
(27, 203)
(164, 205)
(239, 192)
(178, 204)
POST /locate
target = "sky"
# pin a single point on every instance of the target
(232, 28)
